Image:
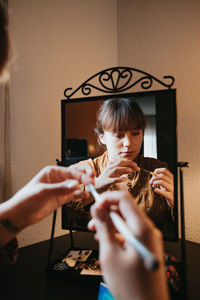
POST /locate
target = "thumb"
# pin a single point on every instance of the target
(91, 225)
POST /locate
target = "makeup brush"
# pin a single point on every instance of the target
(149, 172)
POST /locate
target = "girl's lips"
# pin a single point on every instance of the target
(128, 153)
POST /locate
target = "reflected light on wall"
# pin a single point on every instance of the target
(91, 149)
(150, 146)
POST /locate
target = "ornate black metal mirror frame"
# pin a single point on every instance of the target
(117, 85)
(111, 83)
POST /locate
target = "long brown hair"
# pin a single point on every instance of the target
(4, 41)
(120, 114)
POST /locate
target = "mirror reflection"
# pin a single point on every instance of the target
(130, 141)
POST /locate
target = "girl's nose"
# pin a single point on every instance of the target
(126, 141)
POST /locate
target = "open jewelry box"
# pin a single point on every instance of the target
(77, 264)
(79, 142)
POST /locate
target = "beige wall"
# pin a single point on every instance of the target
(163, 38)
(56, 44)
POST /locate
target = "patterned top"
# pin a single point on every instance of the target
(77, 212)
(143, 194)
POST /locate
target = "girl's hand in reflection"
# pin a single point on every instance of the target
(163, 184)
(115, 173)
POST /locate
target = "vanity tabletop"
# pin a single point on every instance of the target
(27, 278)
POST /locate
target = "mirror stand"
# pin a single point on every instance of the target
(49, 257)
(180, 166)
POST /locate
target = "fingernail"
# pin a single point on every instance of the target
(91, 223)
(71, 183)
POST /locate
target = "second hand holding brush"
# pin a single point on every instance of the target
(150, 261)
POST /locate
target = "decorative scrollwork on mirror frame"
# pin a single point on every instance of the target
(116, 80)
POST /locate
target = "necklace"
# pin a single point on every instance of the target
(131, 177)
(139, 189)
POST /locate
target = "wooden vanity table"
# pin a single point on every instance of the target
(27, 279)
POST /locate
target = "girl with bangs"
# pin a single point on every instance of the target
(120, 128)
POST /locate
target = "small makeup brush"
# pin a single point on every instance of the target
(149, 172)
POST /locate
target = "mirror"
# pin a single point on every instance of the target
(79, 142)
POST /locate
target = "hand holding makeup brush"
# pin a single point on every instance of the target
(123, 268)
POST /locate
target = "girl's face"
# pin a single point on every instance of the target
(122, 144)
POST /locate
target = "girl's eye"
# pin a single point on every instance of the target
(135, 133)
(118, 135)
